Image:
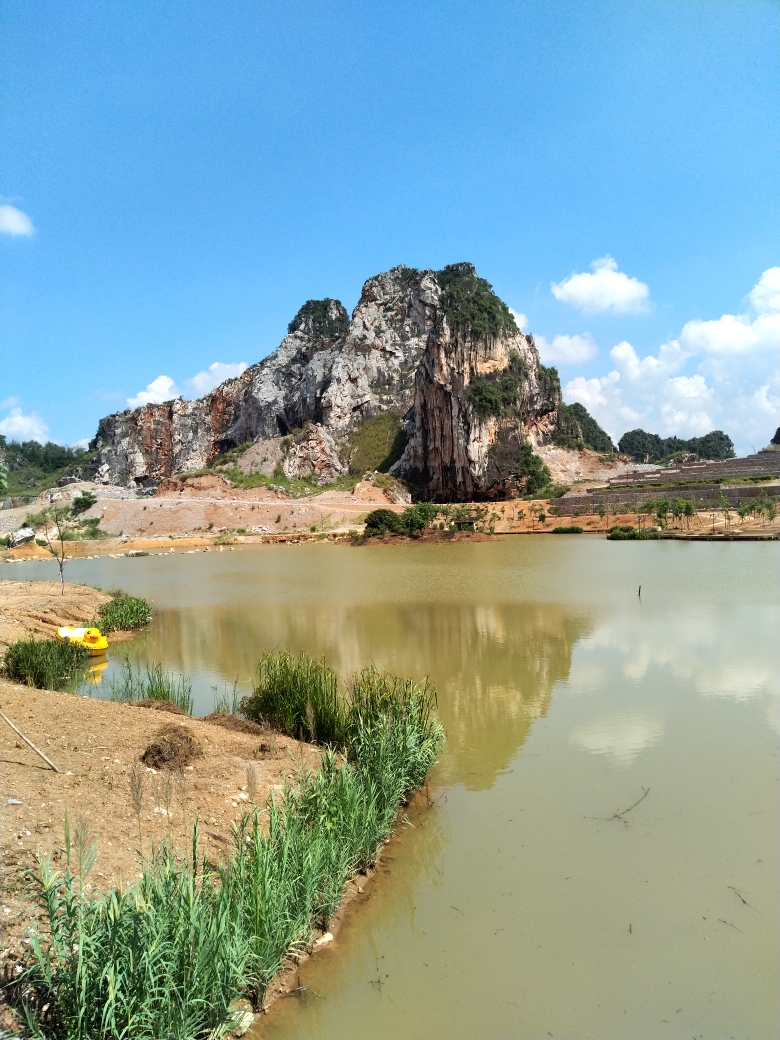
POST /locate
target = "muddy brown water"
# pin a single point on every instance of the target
(526, 901)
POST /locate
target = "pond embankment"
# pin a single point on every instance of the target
(238, 841)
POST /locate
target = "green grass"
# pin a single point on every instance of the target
(46, 664)
(123, 613)
(376, 443)
(150, 683)
(168, 956)
(571, 529)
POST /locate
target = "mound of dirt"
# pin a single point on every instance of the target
(157, 705)
(234, 722)
(174, 747)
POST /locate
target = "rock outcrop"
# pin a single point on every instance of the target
(313, 455)
(436, 347)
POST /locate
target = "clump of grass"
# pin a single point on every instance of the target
(46, 664)
(150, 683)
(124, 612)
(570, 529)
(229, 700)
(286, 686)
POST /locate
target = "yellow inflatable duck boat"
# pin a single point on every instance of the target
(91, 639)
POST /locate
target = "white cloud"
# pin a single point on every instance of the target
(14, 222)
(606, 289)
(9, 402)
(520, 319)
(83, 443)
(603, 398)
(737, 334)
(204, 382)
(160, 389)
(619, 736)
(20, 427)
(566, 350)
(765, 296)
(686, 400)
(650, 371)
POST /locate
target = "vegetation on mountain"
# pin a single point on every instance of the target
(34, 467)
(470, 303)
(376, 443)
(649, 447)
(321, 319)
(578, 429)
(497, 393)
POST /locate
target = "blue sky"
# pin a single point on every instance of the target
(177, 178)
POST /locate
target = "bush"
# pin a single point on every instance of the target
(124, 612)
(571, 529)
(625, 532)
(46, 664)
(84, 502)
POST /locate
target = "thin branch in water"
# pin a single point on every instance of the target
(744, 901)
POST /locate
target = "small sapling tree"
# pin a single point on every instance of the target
(602, 512)
(55, 526)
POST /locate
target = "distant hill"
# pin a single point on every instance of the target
(649, 447)
(577, 427)
(33, 467)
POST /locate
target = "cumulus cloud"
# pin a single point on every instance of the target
(520, 319)
(14, 222)
(606, 289)
(20, 427)
(160, 389)
(735, 385)
(739, 334)
(205, 382)
(566, 350)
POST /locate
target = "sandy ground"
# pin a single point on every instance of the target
(32, 608)
(94, 744)
(576, 467)
(170, 533)
(210, 504)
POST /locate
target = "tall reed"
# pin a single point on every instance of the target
(135, 683)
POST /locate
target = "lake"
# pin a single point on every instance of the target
(600, 853)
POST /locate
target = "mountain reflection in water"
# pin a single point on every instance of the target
(494, 666)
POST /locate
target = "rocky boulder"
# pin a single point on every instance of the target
(21, 537)
(313, 455)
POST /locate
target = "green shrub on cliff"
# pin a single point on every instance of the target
(497, 393)
(470, 303)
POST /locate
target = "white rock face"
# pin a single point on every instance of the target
(314, 455)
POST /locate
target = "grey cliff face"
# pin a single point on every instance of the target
(404, 350)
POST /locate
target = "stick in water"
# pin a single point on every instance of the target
(24, 738)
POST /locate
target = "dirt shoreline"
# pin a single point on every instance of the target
(95, 744)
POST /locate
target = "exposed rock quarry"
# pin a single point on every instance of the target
(436, 347)
(314, 454)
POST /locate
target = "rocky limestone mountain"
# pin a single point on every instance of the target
(437, 348)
